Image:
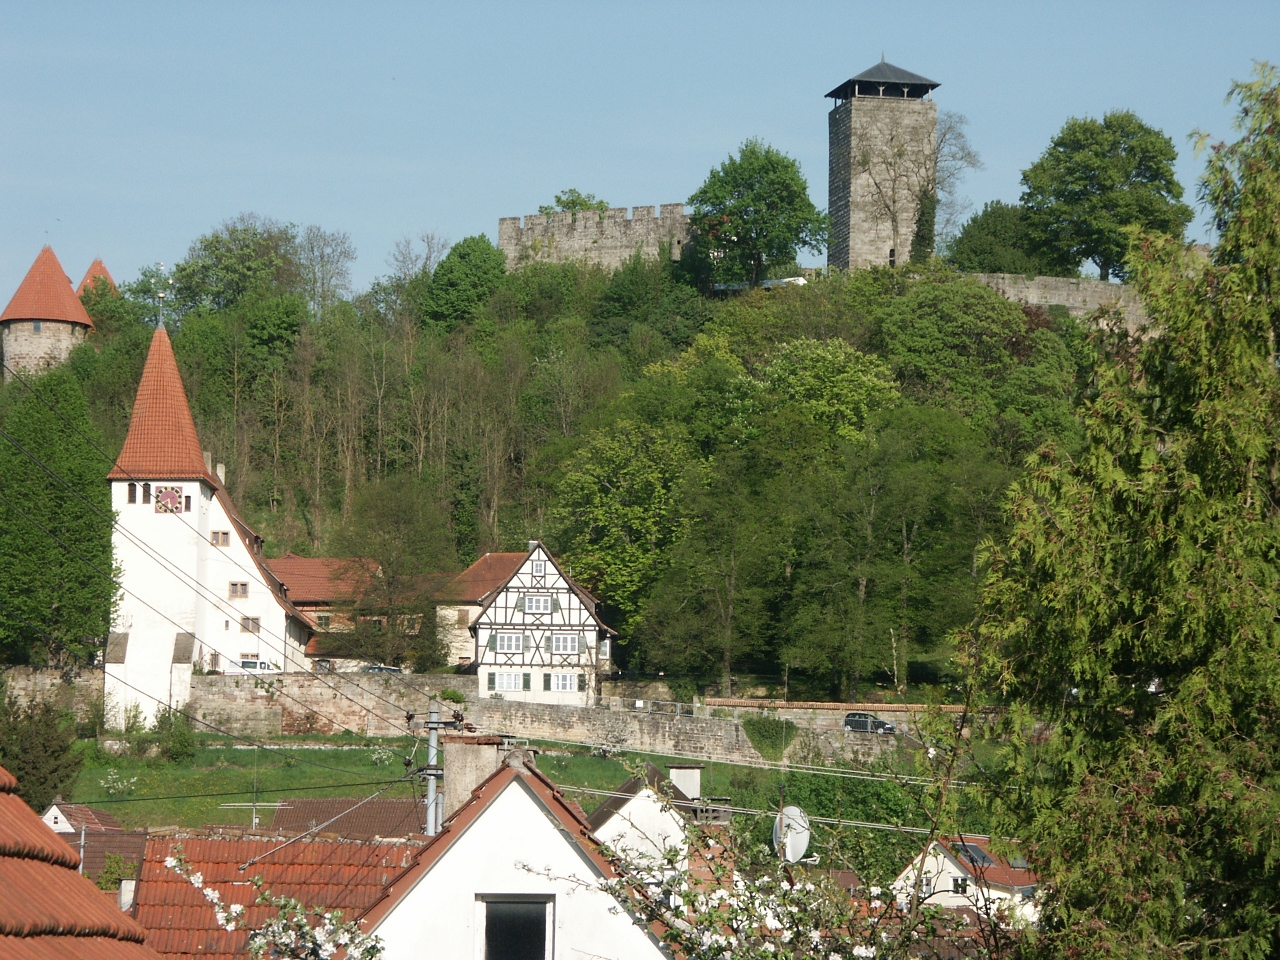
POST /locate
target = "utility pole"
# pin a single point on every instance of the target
(433, 771)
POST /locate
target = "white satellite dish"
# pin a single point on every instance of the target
(791, 834)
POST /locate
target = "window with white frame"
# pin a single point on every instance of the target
(564, 643)
(604, 649)
(539, 568)
(510, 643)
(537, 604)
(564, 682)
(508, 681)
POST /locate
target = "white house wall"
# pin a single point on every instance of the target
(645, 827)
(537, 658)
(175, 581)
(514, 847)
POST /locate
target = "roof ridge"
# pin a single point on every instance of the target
(46, 294)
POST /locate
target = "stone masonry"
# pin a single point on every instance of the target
(608, 239)
(1081, 296)
(880, 157)
(26, 348)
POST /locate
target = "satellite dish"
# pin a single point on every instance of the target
(791, 834)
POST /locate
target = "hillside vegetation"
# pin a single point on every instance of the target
(789, 482)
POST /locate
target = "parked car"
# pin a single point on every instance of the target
(866, 723)
(258, 666)
(378, 668)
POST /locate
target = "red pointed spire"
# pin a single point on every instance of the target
(162, 443)
(45, 294)
(96, 269)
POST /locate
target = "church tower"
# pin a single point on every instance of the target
(194, 588)
(882, 156)
(44, 320)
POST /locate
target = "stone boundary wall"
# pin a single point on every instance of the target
(74, 690)
(608, 239)
(1081, 296)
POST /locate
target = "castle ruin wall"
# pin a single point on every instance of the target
(609, 239)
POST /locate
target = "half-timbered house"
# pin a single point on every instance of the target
(535, 634)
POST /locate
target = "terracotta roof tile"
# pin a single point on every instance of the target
(81, 815)
(46, 908)
(985, 865)
(335, 874)
(45, 294)
(96, 269)
(483, 577)
(384, 817)
(321, 579)
(162, 443)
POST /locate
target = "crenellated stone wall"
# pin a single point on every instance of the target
(609, 239)
(1081, 296)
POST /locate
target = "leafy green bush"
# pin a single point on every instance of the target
(173, 735)
(452, 695)
(769, 735)
(114, 869)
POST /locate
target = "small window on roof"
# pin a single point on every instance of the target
(974, 854)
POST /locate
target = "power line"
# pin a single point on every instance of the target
(781, 767)
(748, 811)
(170, 568)
(164, 616)
(240, 793)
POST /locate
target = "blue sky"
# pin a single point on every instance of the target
(131, 128)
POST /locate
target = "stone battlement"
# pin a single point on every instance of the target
(608, 239)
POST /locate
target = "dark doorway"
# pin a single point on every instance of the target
(515, 930)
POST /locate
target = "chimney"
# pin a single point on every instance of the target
(533, 545)
(688, 779)
(222, 474)
(208, 462)
(469, 760)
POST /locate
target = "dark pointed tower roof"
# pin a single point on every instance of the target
(96, 269)
(45, 294)
(885, 80)
(162, 443)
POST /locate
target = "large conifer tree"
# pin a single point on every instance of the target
(1134, 609)
(55, 607)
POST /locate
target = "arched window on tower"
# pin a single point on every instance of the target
(146, 493)
(133, 492)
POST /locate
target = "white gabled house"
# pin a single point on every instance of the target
(195, 591)
(514, 873)
(532, 634)
(645, 817)
(965, 873)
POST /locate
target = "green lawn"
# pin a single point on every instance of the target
(179, 794)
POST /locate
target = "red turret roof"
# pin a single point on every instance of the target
(96, 269)
(45, 294)
(162, 443)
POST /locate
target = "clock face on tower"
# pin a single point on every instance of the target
(168, 499)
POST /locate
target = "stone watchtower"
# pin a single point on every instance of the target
(882, 156)
(44, 320)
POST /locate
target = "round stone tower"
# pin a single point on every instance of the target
(882, 133)
(44, 320)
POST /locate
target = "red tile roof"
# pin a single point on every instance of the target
(96, 269)
(985, 865)
(80, 815)
(478, 581)
(384, 817)
(334, 874)
(162, 443)
(46, 908)
(45, 294)
(321, 579)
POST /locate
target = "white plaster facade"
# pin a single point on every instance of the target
(946, 882)
(514, 850)
(645, 827)
(538, 638)
(177, 606)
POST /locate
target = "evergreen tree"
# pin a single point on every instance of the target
(1131, 613)
(54, 606)
(37, 745)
